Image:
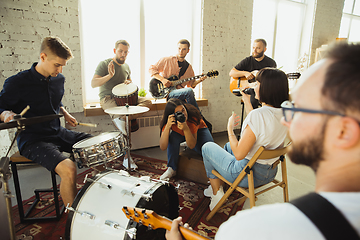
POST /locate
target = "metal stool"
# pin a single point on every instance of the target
(18, 159)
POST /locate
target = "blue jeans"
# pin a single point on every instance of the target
(224, 162)
(173, 149)
(184, 94)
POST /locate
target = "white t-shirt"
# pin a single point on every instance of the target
(269, 132)
(284, 221)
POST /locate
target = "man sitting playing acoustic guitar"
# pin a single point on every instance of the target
(249, 66)
(178, 66)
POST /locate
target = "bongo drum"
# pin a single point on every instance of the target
(127, 94)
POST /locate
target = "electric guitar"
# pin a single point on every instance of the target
(153, 221)
(159, 91)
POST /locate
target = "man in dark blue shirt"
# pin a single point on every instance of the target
(249, 66)
(42, 88)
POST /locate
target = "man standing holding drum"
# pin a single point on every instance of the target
(110, 73)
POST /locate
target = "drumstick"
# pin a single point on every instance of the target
(87, 124)
(25, 110)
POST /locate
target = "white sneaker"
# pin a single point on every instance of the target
(120, 124)
(169, 173)
(208, 192)
(132, 163)
(216, 198)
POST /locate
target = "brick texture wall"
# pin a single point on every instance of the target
(226, 41)
(326, 23)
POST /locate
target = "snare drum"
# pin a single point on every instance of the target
(95, 150)
(98, 207)
(125, 93)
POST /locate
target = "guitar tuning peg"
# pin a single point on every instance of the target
(144, 213)
(150, 227)
(126, 210)
(136, 213)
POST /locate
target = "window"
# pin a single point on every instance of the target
(350, 22)
(280, 23)
(152, 29)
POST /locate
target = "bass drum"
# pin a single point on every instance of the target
(98, 207)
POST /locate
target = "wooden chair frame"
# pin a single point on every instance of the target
(249, 192)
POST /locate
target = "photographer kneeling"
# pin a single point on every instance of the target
(181, 122)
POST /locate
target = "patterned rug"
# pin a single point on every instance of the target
(193, 205)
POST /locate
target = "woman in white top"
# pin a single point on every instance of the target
(261, 127)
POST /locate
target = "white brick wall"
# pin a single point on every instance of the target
(226, 41)
(326, 23)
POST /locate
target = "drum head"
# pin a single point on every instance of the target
(124, 89)
(103, 137)
(106, 204)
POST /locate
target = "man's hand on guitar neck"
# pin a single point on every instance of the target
(196, 82)
(174, 233)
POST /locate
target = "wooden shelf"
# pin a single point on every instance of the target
(94, 109)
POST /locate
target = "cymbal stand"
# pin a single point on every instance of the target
(5, 175)
(128, 137)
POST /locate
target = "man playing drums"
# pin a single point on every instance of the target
(108, 75)
(41, 88)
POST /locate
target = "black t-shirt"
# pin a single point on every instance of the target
(183, 67)
(250, 64)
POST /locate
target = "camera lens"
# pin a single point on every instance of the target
(180, 117)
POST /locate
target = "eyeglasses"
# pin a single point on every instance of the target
(289, 111)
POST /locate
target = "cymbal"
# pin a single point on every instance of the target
(29, 121)
(126, 110)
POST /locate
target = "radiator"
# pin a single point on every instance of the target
(148, 134)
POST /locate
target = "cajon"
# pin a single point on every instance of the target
(191, 166)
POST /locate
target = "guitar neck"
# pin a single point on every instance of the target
(180, 81)
(150, 219)
(187, 233)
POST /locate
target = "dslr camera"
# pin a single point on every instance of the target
(180, 117)
(248, 91)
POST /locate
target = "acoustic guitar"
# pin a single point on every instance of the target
(153, 221)
(240, 83)
(159, 91)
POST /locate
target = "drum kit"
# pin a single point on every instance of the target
(97, 209)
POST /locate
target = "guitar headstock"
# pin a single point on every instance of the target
(212, 73)
(145, 217)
